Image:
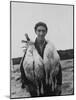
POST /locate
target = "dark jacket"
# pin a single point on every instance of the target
(25, 80)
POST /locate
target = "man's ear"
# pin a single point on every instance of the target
(36, 32)
(46, 33)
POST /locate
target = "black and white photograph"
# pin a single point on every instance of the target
(41, 49)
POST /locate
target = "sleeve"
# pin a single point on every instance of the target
(22, 72)
(58, 89)
(59, 76)
(23, 77)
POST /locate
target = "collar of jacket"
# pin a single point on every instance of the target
(38, 48)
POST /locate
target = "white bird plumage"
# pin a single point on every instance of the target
(51, 62)
(34, 65)
(32, 57)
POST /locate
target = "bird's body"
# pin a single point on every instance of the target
(33, 63)
(33, 67)
(51, 61)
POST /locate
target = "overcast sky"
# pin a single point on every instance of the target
(59, 19)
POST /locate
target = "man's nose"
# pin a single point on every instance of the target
(41, 33)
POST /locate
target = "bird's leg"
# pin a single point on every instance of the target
(52, 85)
(55, 82)
(38, 90)
(47, 78)
(51, 82)
(50, 79)
(42, 88)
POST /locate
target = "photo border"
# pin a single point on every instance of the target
(11, 43)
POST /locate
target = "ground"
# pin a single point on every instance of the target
(67, 80)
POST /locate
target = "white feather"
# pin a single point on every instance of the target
(51, 60)
(33, 63)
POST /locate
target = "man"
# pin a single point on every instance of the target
(40, 44)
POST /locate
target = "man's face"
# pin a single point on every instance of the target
(41, 32)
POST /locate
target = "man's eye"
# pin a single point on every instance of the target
(41, 30)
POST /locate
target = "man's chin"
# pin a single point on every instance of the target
(41, 39)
